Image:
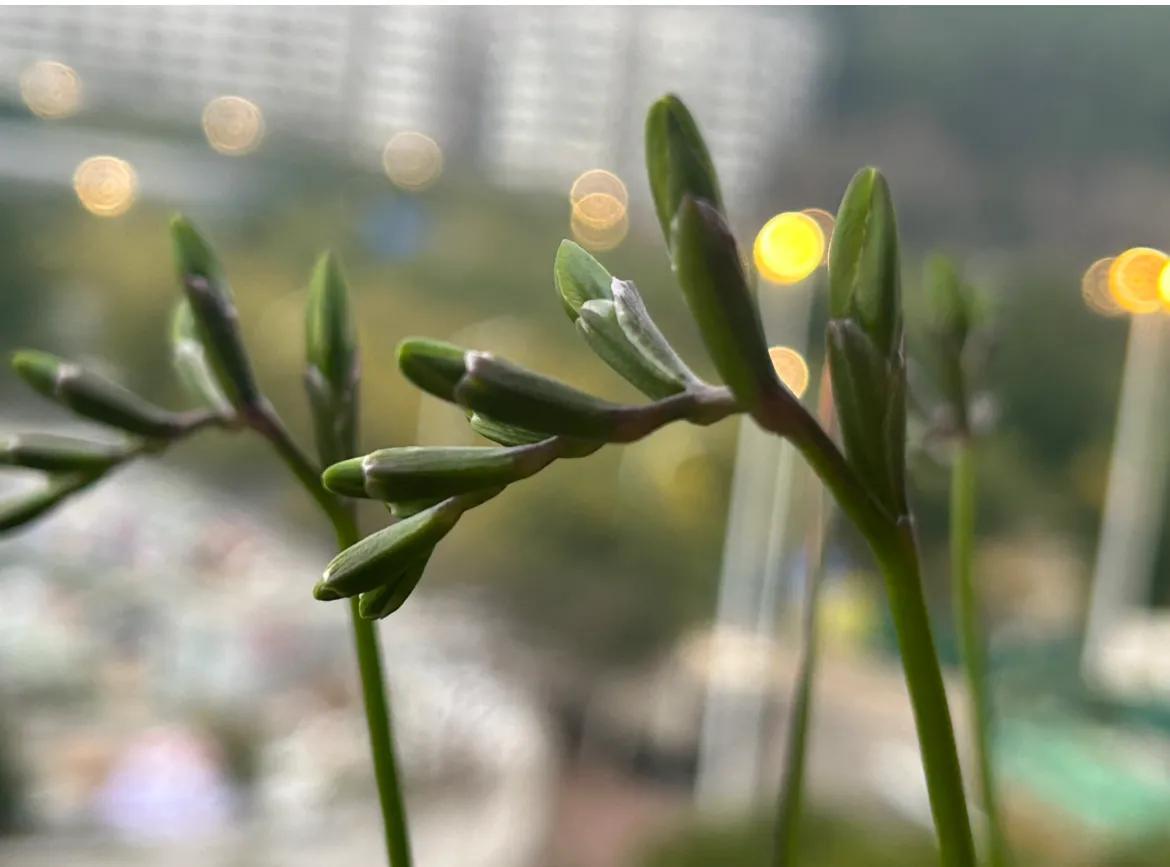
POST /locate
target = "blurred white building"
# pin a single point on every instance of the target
(532, 95)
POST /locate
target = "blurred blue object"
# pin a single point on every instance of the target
(397, 227)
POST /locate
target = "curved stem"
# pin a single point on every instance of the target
(967, 610)
(268, 424)
(891, 538)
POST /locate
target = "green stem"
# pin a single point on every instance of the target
(897, 556)
(967, 610)
(891, 538)
(267, 423)
(791, 797)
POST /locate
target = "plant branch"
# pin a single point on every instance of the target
(967, 610)
(265, 421)
(891, 538)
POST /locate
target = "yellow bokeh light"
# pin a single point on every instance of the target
(50, 89)
(789, 247)
(791, 367)
(233, 125)
(596, 181)
(105, 185)
(599, 238)
(600, 216)
(412, 160)
(1133, 279)
(1095, 289)
(1164, 285)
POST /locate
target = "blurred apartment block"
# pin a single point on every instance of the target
(527, 96)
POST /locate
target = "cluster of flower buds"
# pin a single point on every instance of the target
(865, 344)
(72, 464)
(212, 364)
(534, 420)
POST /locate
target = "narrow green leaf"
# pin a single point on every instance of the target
(711, 275)
(418, 472)
(432, 365)
(864, 276)
(677, 162)
(191, 364)
(60, 454)
(579, 278)
(214, 312)
(92, 396)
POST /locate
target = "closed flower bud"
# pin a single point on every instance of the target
(678, 162)
(331, 375)
(517, 396)
(866, 361)
(864, 278)
(60, 454)
(432, 365)
(611, 317)
(95, 397)
(214, 312)
(385, 600)
(599, 325)
(191, 364)
(711, 275)
(417, 472)
(381, 558)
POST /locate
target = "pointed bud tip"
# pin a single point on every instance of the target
(347, 478)
(192, 253)
(322, 592)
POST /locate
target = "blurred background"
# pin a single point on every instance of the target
(570, 683)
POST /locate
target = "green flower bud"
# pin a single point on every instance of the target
(643, 334)
(711, 275)
(870, 396)
(949, 305)
(60, 454)
(381, 558)
(95, 397)
(598, 323)
(214, 312)
(191, 364)
(864, 278)
(331, 375)
(678, 162)
(517, 396)
(417, 472)
(385, 600)
(432, 365)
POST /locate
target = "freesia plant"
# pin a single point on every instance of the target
(534, 421)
